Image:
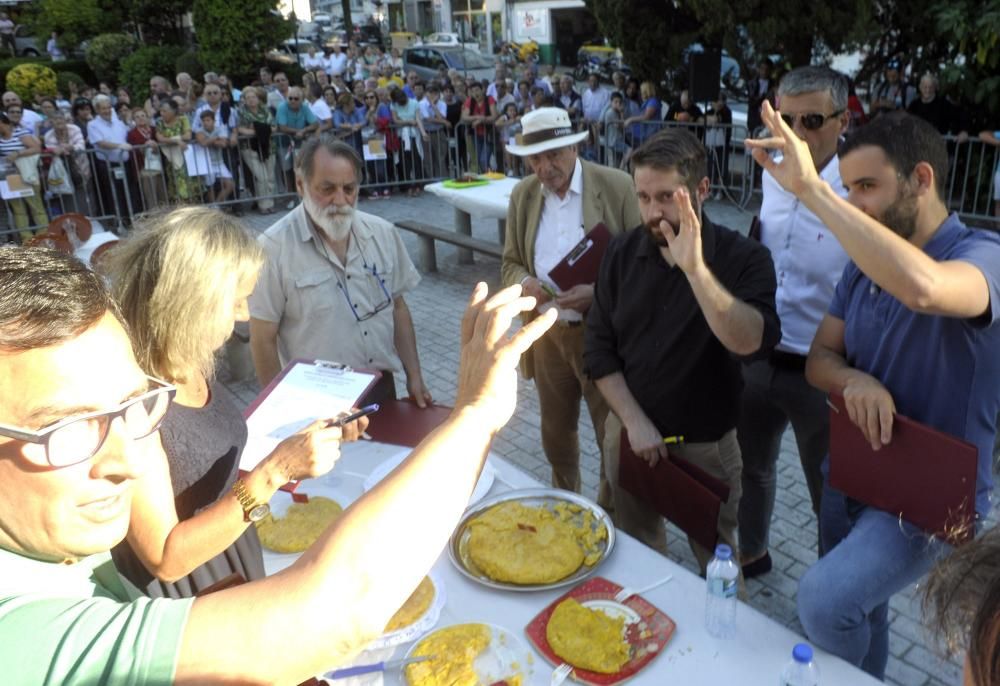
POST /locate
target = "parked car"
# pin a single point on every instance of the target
(453, 39)
(25, 44)
(427, 59)
(291, 52)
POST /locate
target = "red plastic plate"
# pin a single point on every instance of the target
(648, 636)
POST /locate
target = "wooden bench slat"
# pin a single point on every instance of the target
(429, 233)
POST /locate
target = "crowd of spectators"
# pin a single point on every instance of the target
(212, 142)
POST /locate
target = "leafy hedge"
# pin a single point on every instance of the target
(28, 80)
(106, 52)
(137, 68)
(64, 71)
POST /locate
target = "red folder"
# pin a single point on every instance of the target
(923, 476)
(583, 261)
(685, 494)
(401, 422)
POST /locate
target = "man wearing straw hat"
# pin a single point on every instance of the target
(549, 213)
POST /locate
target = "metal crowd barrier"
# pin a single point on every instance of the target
(114, 192)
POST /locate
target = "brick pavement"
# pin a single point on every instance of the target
(437, 304)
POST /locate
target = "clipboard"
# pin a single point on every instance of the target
(923, 476)
(583, 261)
(685, 494)
(304, 391)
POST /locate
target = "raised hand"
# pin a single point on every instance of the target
(487, 376)
(685, 246)
(796, 171)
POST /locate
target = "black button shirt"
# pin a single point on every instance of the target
(646, 323)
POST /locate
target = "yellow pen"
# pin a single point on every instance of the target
(673, 440)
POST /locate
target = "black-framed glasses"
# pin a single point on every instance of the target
(811, 121)
(371, 271)
(76, 439)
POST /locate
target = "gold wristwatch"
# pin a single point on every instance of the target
(252, 512)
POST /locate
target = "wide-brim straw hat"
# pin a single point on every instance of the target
(546, 128)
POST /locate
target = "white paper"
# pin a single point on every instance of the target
(306, 393)
(7, 194)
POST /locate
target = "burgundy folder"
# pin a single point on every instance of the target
(923, 476)
(583, 261)
(401, 422)
(685, 494)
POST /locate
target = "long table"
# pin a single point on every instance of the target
(488, 201)
(756, 656)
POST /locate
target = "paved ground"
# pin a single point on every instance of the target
(437, 305)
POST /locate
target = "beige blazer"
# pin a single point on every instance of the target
(608, 197)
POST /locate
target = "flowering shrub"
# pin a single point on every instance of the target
(28, 79)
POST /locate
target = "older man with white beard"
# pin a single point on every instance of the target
(333, 283)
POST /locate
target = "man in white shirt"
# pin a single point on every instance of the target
(115, 179)
(808, 262)
(595, 99)
(336, 62)
(433, 113)
(550, 212)
(280, 93)
(29, 118)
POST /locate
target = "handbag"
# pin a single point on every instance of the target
(27, 167)
(59, 180)
(153, 164)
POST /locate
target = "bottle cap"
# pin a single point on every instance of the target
(802, 652)
(723, 552)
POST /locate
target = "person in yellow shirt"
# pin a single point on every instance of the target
(387, 77)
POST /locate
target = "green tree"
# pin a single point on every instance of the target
(106, 51)
(159, 21)
(74, 20)
(233, 36)
(136, 69)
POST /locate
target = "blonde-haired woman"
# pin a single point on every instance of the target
(181, 279)
(647, 122)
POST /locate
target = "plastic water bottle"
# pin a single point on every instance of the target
(720, 600)
(800, 670)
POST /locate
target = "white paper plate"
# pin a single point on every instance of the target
(506, 655)
(381, 471)
(342, 487)
(425, 623)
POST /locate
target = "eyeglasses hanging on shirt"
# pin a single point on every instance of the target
(370, 270)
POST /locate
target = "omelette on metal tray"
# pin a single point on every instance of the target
(518, 544)
(588, 639)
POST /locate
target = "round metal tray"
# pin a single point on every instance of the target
(532, 497)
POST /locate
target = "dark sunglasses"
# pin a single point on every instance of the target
(294, 99)
(811, 121)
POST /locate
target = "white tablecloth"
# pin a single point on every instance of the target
(489, 201)
(756, 656)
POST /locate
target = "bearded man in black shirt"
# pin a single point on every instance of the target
(679, 302)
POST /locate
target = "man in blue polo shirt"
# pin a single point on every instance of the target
(912, 328)
(296, 122)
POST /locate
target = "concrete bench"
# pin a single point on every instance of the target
(427, 234)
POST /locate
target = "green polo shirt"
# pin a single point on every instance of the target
(77, 624)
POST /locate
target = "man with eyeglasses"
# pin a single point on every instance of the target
(30, 119)
(78, 422)
(808, 261)
(913, 329)
(333, 284)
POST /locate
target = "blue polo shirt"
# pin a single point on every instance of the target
(941, 371)
(300, 119)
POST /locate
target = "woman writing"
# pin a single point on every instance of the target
(181, 280)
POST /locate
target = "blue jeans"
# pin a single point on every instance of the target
(844, 597)
(484, 149)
